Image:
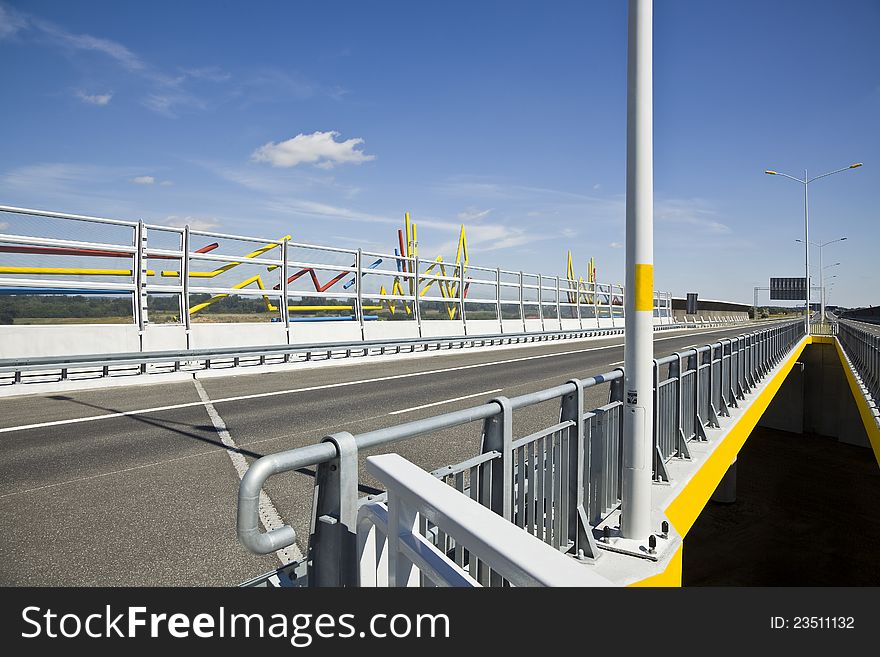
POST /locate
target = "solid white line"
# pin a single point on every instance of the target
(260, 395)
(446, 401)
(269, 515)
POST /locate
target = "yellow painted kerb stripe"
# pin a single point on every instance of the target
(644, 284)
(861, 403)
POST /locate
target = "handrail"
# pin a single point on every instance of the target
(765, 347)
(518, 557)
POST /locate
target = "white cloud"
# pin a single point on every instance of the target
(94, 99)
(4, 225)
(195, 223)
(143, 180)
(166, 183)
(620, 245)
(318, 148)
(472, 214)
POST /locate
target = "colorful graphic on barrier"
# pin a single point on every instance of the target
(449, 289)
(449, 278)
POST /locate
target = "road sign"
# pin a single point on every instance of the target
(788, 289)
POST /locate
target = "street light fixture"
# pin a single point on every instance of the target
(806, 183)
(821, 272)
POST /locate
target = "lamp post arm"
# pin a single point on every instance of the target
(824, 175)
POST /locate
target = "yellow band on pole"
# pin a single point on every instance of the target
(644, 284)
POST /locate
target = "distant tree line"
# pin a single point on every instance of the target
(51, 306)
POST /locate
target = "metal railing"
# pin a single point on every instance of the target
(393, 549)
(298, 282)
(556, 484)
(861, 342)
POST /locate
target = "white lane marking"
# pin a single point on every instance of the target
(269, 515)
(445, 401)
(275, 393)
(620, 362)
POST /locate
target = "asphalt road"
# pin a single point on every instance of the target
(146, 494)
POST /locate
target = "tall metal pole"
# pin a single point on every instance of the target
(638, 349)
(807, 251)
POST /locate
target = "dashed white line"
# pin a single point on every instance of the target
(269, 515)
(445, 401)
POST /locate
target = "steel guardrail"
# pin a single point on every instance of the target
(716, 374)
(19, 366)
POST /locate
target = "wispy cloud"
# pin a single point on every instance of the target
(10, 22)
(473, 214)
(195, 223)
(143, 180)
(279, 182)
(169, 93)
(616, 245)
(695, 214)
(94, 99)
(308, 208)
(113, 49)
(210, 73)
(62, 175)
(318, 148)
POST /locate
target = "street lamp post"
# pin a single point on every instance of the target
(638, 355)
(806, 183)
(822, 273)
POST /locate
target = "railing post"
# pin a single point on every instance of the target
(675, 370)
(699, 425)
(579, 530)
(185, 319)
(401, 519)
(498, 436)
(558, 307)
(359, 300)
(658, 472)
(498, 300)
(522, 307)
(333, 540)
(416, 286)
(541, 300)
(285, 287)
(462, 311)
(140, 278)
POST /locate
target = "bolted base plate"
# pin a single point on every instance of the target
(607, 535)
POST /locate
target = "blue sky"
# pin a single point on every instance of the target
(509, 117)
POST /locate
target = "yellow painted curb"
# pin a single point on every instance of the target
(687, 505)
(865, 413)
(669, 577)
